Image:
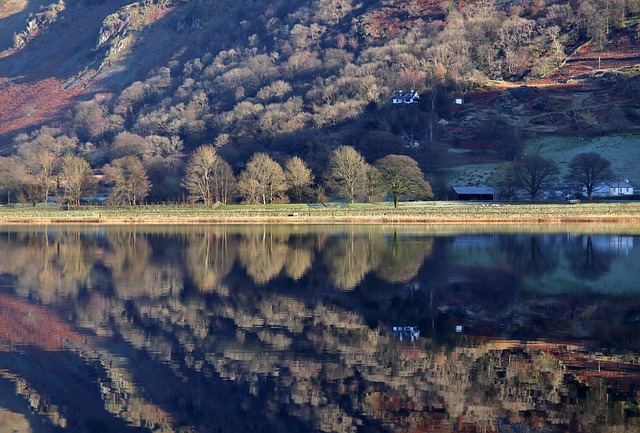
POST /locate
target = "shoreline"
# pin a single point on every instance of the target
(334, 213)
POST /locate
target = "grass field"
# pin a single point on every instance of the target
(623, 150)
(412, 212)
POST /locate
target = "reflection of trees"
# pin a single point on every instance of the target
(127, 258)
(263, 254)
(401, 259)
(138, 268)
(349, 258)
(393, 258)
(298, 262)
(301, 254)
(586, 262)
(209, 258)
(530, 255)
(48, 266)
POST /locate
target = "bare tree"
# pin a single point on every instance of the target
(506, 179)
(42, 158)
(78, 179)
(299, 177)
(129, 178)
(375, 187)
(224, 186)
(534, 171)
(198, 179)
(589, 169)
(347, 173)
(13, 176)
(48, 163)
(263, 180)
(401, 175)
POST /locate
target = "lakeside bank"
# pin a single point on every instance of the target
(338, 213)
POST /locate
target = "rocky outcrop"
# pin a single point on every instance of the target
(37, 23)
(120, 30)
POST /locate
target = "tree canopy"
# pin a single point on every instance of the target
(401, 175)
(263, 180)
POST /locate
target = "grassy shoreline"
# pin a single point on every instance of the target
(334, 213)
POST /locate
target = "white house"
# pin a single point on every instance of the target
(612, 189)
(410, 97)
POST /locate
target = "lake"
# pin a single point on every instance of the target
(312, 328)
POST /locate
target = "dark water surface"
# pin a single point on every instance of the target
(262, 328)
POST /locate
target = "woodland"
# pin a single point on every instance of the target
(287, 84)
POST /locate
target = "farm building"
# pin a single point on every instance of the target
(410, 97)
(472, 193)
(613, 189)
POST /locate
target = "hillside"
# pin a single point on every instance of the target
(299, 78)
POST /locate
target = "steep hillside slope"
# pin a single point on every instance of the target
(53, 53)
(301, 77)
(97, 44)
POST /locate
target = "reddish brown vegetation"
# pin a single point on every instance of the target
(28, 104)
(621, 52)
(23, 324)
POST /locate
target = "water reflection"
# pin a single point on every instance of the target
(277, 328)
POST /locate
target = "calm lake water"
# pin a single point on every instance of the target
(262, 328)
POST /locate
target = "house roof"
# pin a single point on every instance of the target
(473, 190)
(406, 95)
(619, 185)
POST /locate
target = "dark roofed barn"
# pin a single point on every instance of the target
(472, 193)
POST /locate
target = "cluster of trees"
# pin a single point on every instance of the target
(534, 172)
(210, 178)
(39, 172)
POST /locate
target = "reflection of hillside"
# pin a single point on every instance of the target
(37, 355)
(232, 356)
(324, 367)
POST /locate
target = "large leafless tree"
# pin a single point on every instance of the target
(534, 172)
(299, 177)
(77, 178)
(129, 178)
(263, 180)
(198, 179)
(224, 185)
(347, 173)
(589, 169)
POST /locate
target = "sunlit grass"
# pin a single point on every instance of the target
(383, 212)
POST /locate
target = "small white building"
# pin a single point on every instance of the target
(403, 97)
(612, 189)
